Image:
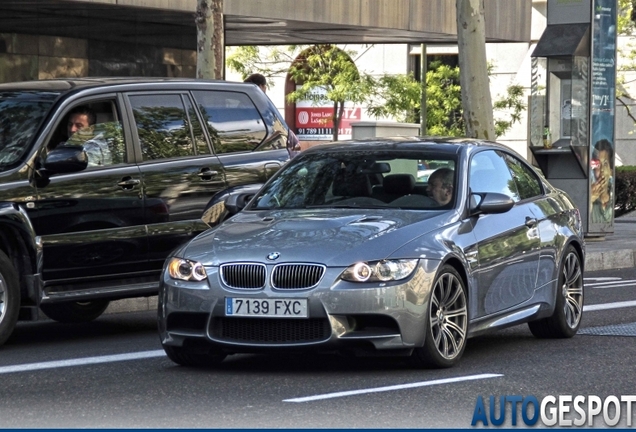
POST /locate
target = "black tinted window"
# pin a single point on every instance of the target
(526, 180)
(163, 126)
(233, 122)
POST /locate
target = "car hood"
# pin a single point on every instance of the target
(327, 236)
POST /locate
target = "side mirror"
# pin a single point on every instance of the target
(65, 159)
(228, 204)
(490, 202)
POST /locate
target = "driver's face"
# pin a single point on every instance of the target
(76, 122)
(438, 191)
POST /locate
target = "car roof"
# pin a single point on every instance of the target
(448, 145)
(73, 84)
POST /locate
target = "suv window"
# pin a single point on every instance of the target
(163, 126)
(233, 122)
(20, 116)
(102, 137)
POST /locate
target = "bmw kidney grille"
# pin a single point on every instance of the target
(284, 276)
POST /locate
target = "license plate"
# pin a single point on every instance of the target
(276, 308)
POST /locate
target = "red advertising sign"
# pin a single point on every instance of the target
(314, 118)
(316, 123)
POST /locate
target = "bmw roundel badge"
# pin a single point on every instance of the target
(273, 256)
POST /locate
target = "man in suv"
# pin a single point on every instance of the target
(75, 235)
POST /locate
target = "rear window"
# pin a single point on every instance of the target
(233, 122)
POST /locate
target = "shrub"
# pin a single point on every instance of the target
(625, 190)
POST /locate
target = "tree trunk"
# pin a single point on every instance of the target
(338, 110)
(473, 70)
(210, 39)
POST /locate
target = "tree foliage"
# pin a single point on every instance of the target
(399, 97)
(388, 96)
(626, 18)
(316, 66)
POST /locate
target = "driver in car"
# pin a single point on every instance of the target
(440, 186)
(80, 131)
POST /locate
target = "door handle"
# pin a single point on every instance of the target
(128, 183)
(531, 222)
(207, 173)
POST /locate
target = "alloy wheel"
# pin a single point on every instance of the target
(448, 316)
(572, 290)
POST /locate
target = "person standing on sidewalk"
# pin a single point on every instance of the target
(259, 80)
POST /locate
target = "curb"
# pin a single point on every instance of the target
(608, 260)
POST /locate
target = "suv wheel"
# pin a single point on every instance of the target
(9, 297)
(75, 312)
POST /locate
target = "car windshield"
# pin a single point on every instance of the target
(20, 116)
(356, 179)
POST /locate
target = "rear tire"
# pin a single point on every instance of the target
(568, 310)
(185, 357)
(9, 297)
(447, 325)
(75, 312)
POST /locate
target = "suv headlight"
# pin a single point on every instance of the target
(379, 271)
(183, 269)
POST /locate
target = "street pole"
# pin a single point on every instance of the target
(423, 70)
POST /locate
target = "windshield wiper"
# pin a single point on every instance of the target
(349, 206)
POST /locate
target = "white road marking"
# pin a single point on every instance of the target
(393, 387)
(605, 306)
(81, 361)
(611, 284)
(602, 279)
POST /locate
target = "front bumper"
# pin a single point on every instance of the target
(383, 316)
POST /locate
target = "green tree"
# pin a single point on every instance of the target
(327, 67)
(399, 97)
(627, 55)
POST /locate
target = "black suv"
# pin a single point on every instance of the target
(77, 231)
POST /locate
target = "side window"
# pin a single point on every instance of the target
(528, 184)
(233, 122)
(489, 173)
(96, 126)
(162, 126)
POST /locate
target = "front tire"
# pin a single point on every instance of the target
(75, 312)
(447, 322)
(185, 357)
(568, 310)
(9, 297)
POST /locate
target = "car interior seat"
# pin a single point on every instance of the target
(394, 186)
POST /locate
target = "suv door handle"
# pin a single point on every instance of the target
(207, 174)
(128, 183)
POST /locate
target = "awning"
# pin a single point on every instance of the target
(564, 40)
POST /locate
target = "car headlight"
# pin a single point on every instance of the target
(380, 271)
(183, 269)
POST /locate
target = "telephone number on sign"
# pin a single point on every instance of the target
(288, 308)
(315, 131)
(322, 131)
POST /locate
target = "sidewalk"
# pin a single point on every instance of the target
(617, 250)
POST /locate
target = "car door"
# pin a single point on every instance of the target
(179, 171)
(92, 222)
(508, 244)
(239, 136)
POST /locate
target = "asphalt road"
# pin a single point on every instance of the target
(112, 374)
